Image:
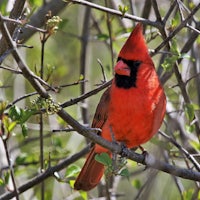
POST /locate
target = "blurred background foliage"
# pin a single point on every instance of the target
(71, 56)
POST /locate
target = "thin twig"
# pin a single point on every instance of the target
(43, 41)
(48, 173)
(177, 29)
(109, 27)
(102, 70)
(184, 151)
(16, 194)
(83, 59)
(10, 69)
(86, 95)
(24, 24)
(156, 10)
(115, 12)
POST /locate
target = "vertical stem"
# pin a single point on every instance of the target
(84, 46)
(41, 118)
(11, 168)
(110, 34)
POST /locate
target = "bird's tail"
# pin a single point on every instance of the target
(90, 174)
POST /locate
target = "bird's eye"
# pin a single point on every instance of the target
(136, 63)
(119, 58)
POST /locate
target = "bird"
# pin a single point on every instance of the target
(131, 110)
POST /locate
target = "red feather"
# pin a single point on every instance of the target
(131, 110)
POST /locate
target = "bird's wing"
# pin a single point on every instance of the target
(101, 113)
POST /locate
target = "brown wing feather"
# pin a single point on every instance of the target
(101, 113)
(92, 170)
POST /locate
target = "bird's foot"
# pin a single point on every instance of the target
(124, 150)
(144, 151)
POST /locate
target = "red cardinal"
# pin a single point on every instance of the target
(131, 110)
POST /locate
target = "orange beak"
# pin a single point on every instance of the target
(122, 69)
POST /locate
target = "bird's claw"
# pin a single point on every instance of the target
(124, 150)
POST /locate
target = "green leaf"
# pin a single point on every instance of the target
(84, 195)
(195, 144)
(81, 77)
(37, 3)
(169, 62)
(25, 115)
(123, 9)
(103, 37)
(6, 177)
(1, 182)
(24, 130)
(104, 158)
(188, 194)
(6, 121)
(21, 158)
(72, 171)
(187, 56)
(12, 126)
(189, 111)
(57, 142)
(190, 128)
(124, 172)
(137, 184)
(14, 113)
(3, 105)
(3, 7)
(20, 115)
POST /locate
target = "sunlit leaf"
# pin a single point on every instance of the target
(1, 182)
(12, 126)
(124, 172)
(188, 194)
(72, 171)
(137, 183)
(123, 9)
(195, 144)
(6, 121)
(14, 113)
(81, 77)
(84, 195)
(3, 105)
(35, 2)
(3, 7)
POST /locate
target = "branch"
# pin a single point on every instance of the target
(184, 151)
(19, 22)
(148, 160)
(115, 12)
(24, 68)
(38, 19)
(14, 14)
(48, 173)
(86, 95)
(177, 29)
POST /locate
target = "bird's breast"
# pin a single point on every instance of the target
(131, 115)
